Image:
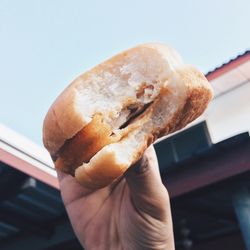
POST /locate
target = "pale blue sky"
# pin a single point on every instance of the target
(45, 44)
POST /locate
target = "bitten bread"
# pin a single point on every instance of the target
(105, 119)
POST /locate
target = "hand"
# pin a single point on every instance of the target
(132, 213)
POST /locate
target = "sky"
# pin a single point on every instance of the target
(45, 44)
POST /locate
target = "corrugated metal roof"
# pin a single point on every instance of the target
(246, 53)
(228, 66)
(230, 75)
(31, 211)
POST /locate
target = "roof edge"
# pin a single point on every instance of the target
(231, 64)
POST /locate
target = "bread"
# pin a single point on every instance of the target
(105, 119)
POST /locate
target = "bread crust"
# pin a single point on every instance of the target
(92, 141)
(63, 121)
(198, 95)
(85, 144)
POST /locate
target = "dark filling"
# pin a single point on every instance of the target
(75, 151)
(135, 112)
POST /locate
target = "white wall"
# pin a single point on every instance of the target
(229, 114)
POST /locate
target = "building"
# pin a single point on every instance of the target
(205, 167)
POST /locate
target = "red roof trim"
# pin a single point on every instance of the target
(214, 168)
(228, 66)
(28, 168)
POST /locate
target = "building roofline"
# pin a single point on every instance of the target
(21, 153)
(228, 66)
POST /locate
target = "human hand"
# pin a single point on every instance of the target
(132, 213)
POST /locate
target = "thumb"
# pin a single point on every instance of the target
(146, 189)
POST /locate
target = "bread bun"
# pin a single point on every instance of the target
(105, 119)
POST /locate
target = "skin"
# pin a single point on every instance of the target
(132, 213)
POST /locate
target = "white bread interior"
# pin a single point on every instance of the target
(107, 88)
(149, 74)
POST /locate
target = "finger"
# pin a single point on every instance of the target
(60, 175)
(115, 183)
(144, 176)
(146, 188)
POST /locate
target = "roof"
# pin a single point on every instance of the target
(231, 74)
(189, 161)
(19, 152)
(32, 213)
(230, 64)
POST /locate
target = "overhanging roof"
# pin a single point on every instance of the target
(32, 213)
(227, 66)
(19, 152)
(230, 75)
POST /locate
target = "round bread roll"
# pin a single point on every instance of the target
(102, 123)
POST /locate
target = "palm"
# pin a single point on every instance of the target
(130, 214)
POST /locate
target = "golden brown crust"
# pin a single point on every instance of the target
(51, 126)
(106, 157)
(107, 166)
(85, 144)
(199, 94)
(197, 98)
(61, 121)
(64, 120)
